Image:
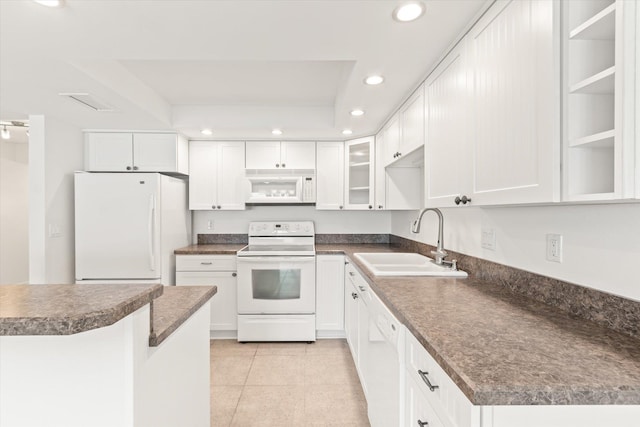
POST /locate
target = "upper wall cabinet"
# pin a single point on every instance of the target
(359, 182)
(281, 155)
(391, 137)
(330, 175)
(493, 113)
(217, 180)
(136, 152)
(599, 90)
(412, 123)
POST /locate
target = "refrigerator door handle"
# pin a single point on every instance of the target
(151, 230)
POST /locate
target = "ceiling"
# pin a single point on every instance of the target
(239, 67)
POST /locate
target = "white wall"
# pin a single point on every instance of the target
(56, 151)
(14, 206)
(326, 222)
(601, 243)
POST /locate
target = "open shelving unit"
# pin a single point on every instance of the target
(592, 134)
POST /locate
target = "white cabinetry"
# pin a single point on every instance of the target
(391, 135)
(599, 88)
(218, 270)
(380, 197)
(359, 173)
(136, 152)
(357, 319)
(412, 123)
(281, 155)
(330, 296)
(330, 175)
(217, 178)
(505, 73)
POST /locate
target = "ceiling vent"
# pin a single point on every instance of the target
(88, 101)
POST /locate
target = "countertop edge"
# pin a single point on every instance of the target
(156, 337)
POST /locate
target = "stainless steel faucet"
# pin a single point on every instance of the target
(439, 254)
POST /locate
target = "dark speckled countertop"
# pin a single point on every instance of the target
(71, 309)
(503, 348)
(216, 249)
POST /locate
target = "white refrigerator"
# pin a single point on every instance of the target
(127, 226)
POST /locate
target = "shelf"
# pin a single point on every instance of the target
(355, 165)
(601, 26)
(359, 188)
(598, 140)
(601, 83)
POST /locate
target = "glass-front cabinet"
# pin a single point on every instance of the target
(359, 173)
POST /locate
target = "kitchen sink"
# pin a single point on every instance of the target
(405, 264)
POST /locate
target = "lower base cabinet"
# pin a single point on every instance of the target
(330, 296)
(218, 270)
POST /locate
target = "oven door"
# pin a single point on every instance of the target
(277, 285)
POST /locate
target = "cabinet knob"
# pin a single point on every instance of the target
(341, 207)
(213, 206)
(423, 423)
(283, 165)
(135, 168)
(354, 295)
(219, 207)
(370, 207)
(379, 206)
(399, 154)
(277, 165)
(464, 200)
(128, 168)
(234, 274)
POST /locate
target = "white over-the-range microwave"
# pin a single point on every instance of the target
(289, 189)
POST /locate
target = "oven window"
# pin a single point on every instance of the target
(275, 284)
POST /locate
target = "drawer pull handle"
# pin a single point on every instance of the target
(354, 295)
(351, 273)
(362, 289)
(234, 274)
(423, 423)
(206, 263)
(423, 375)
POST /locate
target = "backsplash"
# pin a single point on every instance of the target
(222, 239)
(330, 239)
(612, 311)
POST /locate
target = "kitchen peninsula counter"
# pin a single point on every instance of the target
(501, 347)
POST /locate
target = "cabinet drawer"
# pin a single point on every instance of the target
(359, 283)
(450, 404)
(205, 263)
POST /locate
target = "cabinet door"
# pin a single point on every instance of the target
(359, 174)
(447, 149)
(232, 185)
(330, 293)
(351, 316)
(155, 152)
(298, 155)
(224, 313)
(380, 172)
(412, 122)
(108, 152)
(392, 140)
(263, 155)
(203, 179)
(515, 104)
(330, 175)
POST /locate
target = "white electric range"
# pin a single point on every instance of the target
(277, 282)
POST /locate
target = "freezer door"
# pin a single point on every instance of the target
(117, 226)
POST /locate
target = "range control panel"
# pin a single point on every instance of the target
(281, 228)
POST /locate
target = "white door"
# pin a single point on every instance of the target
(203, 178)
(330, 293)
(298, 154)
(224, 312)
(392, 139)
(276, 285)
(231, 178)
(380, 172)
(330, 175)
(359, 174)
(351, 316)
(412, 122)
(109, 152)
(263, 155)
(155, 152)
(117, 227)
(447, 150)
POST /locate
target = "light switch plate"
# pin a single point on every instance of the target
(489, 239)
(554, 247)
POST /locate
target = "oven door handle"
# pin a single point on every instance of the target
(276, 259)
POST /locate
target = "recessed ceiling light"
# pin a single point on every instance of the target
(347, 132)
(276, 132)
(357, 113)
(374, 80)
(408, 12)
(50, 3)
(206, 132)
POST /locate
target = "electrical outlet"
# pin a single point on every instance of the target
(210, 224)
(488, 239)
(554, 247)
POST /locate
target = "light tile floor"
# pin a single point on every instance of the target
(285, 384)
